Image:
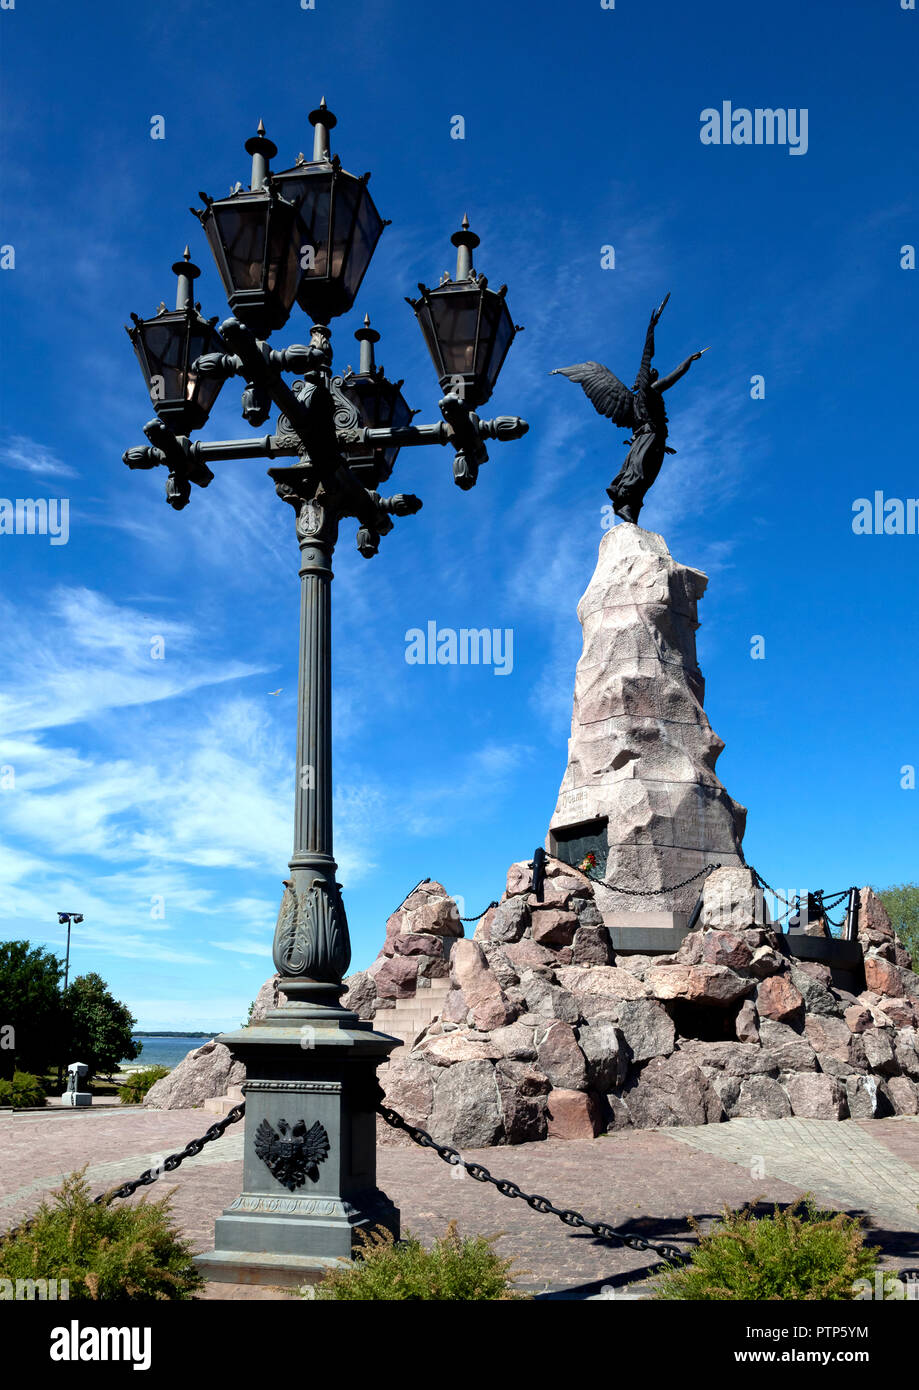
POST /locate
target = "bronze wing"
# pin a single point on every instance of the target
(604, 390)
(315, 1144)
(265, 1140)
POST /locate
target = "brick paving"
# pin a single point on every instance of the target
(848, 1164)
(643, 1181)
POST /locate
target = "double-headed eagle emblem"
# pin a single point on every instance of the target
(292, 1154)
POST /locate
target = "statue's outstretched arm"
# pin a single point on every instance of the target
(664, 383)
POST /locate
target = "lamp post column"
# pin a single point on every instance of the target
(313, 809)
(311, 947)
(309, 1167)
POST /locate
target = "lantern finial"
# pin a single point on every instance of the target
(322, 122)
(465, 242)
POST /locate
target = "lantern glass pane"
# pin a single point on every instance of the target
(367, 231)
(456, 318)
(401, 415)
(205, 390)
(165, 358)
(314, 198)
(242, 231)
(503, 337)
(342, 223)
(284, 240)
(430, 337)
(491, 308)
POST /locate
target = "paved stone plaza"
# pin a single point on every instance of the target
(645, 1181)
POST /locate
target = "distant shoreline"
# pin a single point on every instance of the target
(167, 1033)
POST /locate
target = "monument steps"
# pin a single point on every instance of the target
(410, 1016)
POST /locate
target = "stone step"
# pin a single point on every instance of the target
(222, 1105)
(409, 1016)
(406, 1020)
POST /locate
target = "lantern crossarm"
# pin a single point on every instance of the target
(261, 366)
(175, 452)
(258, 365)
(311, 427)
(460, 427)
(376, 519)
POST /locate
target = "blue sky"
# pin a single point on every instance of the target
(135, 780)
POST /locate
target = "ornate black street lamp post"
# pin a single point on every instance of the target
(306, 236)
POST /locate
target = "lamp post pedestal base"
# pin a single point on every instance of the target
(309, 1172)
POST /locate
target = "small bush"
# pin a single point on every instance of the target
(23, 1092)
(902, 904)
(116, 1252)
(799, 1253)
(455, 1268)
(139, 1083)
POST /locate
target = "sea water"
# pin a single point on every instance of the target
(164, 1052)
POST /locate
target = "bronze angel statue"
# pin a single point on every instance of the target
(641, 410)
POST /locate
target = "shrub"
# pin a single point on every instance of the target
(799, 1253)
(139, 1083)
(902, 904)
(455, 1268)
(23, 1092)
(115, 1252)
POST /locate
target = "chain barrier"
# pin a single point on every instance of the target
(671, 1253)
(826, 901)
(652, 892)
(630, 892)
(493, 903)
(150, 1175)
(767, 888)
(601, 1229)
(192, 1148)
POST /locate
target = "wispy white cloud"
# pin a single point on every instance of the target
(86, 654)
(261, 949)
(28, 456)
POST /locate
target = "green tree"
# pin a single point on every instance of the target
(98, 1026)
(902, 904)
(31, 1014)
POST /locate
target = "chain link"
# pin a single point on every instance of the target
(652, 892)
(830, 901)
(492, 904)
(170, 1163)
(630, 892)
(507, 1188)
(761, 883)
(150, 1175)
(825, 901)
